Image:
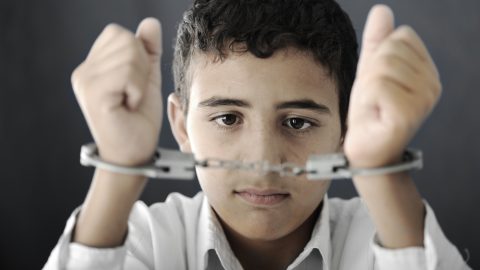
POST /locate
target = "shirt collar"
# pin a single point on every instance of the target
(320, 239)
(211, 237)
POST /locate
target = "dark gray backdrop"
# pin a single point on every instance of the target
(41, 126)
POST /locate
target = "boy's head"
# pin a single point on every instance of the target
(262, 80)
(319, 27)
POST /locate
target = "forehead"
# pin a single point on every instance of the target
(288, 74)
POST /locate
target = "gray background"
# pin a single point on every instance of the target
(41, 126)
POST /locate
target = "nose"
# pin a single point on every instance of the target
(263, 144)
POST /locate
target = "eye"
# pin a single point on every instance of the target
(297, 123)
(227, 119)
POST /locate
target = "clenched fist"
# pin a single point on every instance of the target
(396, 87)
(118, 87)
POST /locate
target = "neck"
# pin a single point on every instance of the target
(271, 254)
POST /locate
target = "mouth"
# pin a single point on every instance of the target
(262, 197)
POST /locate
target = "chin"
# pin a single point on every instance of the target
(263, 231)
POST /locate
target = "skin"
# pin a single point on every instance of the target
(396, 87)
(260, 86)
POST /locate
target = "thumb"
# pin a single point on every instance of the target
(379, 25)
(150, 33)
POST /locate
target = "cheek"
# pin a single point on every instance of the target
(311, 193)
(216, 184)
(206, 140)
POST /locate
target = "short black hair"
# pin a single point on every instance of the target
(263, 27)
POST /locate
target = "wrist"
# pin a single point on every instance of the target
(395, 207)
(127, 186)
(103, 219)
(368, 161)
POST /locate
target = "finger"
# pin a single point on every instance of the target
(134, 58)
(109, 33)
(399, 49)
(136, 89)
(419, 83)
(115, 45)
(407, 35)
(129, 54)
(387, 100)
(150, 33)
(398, 57)
(394, 68)
(106, 91)
(378, 26)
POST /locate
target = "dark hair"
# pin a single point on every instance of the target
(319, 27)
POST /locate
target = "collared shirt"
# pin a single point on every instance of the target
(184, 233)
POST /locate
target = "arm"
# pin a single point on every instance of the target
(396, 88)
(103, 219)
(396, 209)
(118, 89)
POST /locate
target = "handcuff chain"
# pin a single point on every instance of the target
(262, 167)
(174, 164)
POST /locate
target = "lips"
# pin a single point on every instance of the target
(262, 197)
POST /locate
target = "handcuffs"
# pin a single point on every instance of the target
(173, 164)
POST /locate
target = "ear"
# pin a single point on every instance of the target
(178, 123)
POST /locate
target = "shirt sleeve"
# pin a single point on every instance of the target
(438, 252)
(68, 255)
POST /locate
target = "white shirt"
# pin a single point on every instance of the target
(184, 233)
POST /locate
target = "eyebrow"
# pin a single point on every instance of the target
(307, 104)
(219, 101)
(304, 104)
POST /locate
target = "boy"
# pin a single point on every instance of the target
(276, 76)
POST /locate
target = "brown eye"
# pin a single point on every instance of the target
(227, 119)
(297, 123)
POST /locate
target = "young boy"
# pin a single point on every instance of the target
(258, 80)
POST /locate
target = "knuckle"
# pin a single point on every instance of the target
(405, 32)
(382, 80)
(426, 106)
(126, 37)
(113, 28)
(398, 46)
(392, 49)
(76, 77)
(388, 61)
(437, 86)
(403, 38)
(86, 85)
(429, 100)
(120, 33)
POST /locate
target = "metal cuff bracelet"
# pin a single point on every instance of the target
(172, 164)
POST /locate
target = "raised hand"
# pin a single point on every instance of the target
(396, 87)
(118, 89)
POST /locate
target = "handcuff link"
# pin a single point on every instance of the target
(173, 164)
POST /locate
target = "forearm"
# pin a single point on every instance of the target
(396, 208)
(103, 219)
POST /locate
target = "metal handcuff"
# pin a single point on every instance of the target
(173, 164)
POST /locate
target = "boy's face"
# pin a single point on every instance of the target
(280, 109)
